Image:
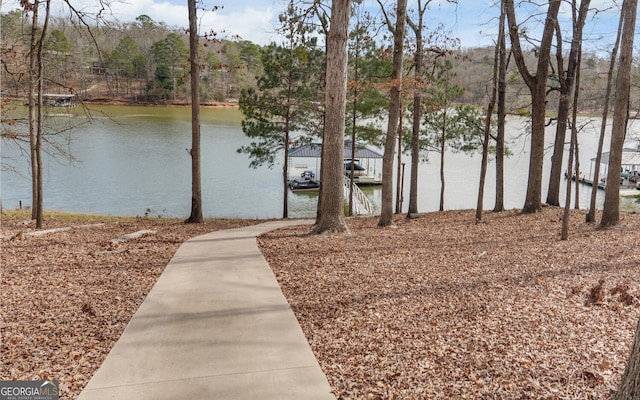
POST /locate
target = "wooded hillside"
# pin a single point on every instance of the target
(146, 61)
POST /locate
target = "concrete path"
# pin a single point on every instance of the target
(214, 326)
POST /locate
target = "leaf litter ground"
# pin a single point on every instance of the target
(442, 307)
(439, 307)
(66, 296)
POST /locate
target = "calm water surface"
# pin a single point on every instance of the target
(134, 159)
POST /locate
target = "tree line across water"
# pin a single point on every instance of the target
(140, 62)
(147, 61)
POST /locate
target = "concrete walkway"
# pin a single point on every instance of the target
(214, 326)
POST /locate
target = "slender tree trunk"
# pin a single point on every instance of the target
(487, 123)
(591, 215)
(573, 148)
(386, 213)
(285, 164)
(571, 93)
(415, 149)
(196, 188)
(574, 129)
(399, 168)
(443, 142)
(567, 203)
(38, 207)
(553, 194)
(354, 120)
(331, 217)
(538, 87)
(502, 113)
(566, 83)
(33, 84)
(611, 210)
(417, 110)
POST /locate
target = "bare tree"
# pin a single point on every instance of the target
(502, 113)
(331, 215)
(611, 210)
(196, 182)
(566, 79)
(417, 105)
(537, 85)
(36, 79)
(490, 107)
(629, 388)
(573, 151)
(32, 92)
(386, 213)
(591, 215)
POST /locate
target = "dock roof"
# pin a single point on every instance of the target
(629, 157)
(314, 150)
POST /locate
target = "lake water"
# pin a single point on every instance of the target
(133, 159)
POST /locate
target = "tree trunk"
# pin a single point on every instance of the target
(611, 210)
(32, 109)
(399, 168)
(38, 207)
(354, 119)
(553, 194)
(573, 149)
(331, 216)
(574, 129)
(196, 187)
(443, 141)
(564, 235)
(538, 87)
(502, 113)
(417, 111)
(487, 124)
(566, 87)
(285, 171)
(36, 81)
(591, 215)
(533, 199)
(386, 213)
(285, 164)
(629, 388)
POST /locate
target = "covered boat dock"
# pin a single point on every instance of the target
(369, 159)
(629, 174)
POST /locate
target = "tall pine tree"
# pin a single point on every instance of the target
(286, 100)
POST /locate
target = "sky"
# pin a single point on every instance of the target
(474, 22)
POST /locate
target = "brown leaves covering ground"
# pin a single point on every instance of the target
(443, 307)
(66, 297)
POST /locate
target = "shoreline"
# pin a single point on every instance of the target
(233, 103)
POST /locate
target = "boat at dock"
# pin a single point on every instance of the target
(361, 175)
(306, 183)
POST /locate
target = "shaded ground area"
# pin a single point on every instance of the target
(443, 307)
(66, 296)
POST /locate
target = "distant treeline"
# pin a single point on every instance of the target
(147, 62)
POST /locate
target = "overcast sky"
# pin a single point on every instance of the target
(472, 21)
